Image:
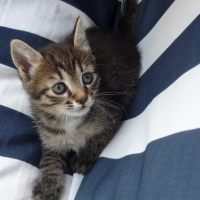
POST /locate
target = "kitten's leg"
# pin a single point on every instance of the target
(51, 183)
(87, 156)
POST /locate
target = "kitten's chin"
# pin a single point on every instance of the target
(79, 111)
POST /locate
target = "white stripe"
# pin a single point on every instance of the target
(67, 187)
(176, 19)
(77, 179)
(12, 94)
(176, 109)
(18, 178)
(51, 19)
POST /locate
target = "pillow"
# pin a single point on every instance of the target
(155, 155)
(37, 23)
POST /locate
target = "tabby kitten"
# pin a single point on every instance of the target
(79, 90)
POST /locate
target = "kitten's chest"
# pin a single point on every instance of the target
(74, 134)
(71, 125)
(71, 137)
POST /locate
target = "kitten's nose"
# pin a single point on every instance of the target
(82, 100)
(81, 97)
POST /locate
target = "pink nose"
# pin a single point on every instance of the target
(82, 100)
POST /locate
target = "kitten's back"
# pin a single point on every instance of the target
(117, 61)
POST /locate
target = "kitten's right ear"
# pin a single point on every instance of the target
(25, 58)
(80, 39)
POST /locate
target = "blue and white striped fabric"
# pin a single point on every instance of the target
(156, 153)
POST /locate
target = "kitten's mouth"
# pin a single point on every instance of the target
(83, 107)
(82, 110)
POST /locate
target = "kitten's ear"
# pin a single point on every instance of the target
(25, 58)
(80, 39)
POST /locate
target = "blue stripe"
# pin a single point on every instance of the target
(7, 34)
(168, 169)
(148, 15)
(181, 56)
(18, 138)
(102, 12)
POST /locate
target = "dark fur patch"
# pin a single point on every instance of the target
(54, 100)
(49, 104)
(53, 130)
(47, 115)
(38, 95)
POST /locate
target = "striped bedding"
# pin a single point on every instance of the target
(156, 153)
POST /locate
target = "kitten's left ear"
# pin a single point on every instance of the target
(80, 39)
(25, 58)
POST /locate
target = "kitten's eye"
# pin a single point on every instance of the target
(59, 88)
(87, 78)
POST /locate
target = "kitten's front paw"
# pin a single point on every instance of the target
(46, 191)
(81, 165)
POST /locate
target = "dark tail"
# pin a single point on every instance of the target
(128, 18)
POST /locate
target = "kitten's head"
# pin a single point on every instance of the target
(62, 78)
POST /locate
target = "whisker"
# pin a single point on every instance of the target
(82, 57)
(94, 59)
(113, 104)
(63, 117)
(43, 122)
(91, 52)
(112, 93)
(60, 114)
(105, 111)
(108, 104)
(113, 82)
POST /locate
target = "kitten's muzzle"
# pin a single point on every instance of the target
(82, 100)
(81, 97)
